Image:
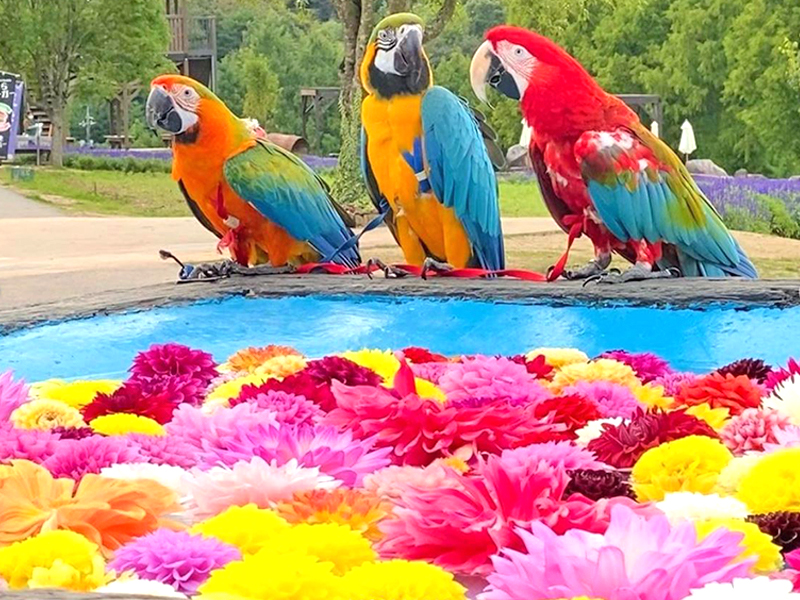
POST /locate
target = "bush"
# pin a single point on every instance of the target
(772, 217)
(126, 165)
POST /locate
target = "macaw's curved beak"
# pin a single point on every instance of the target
(161, 111)
(408, 59)
(486, 68)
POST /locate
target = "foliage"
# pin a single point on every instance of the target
(124, 165)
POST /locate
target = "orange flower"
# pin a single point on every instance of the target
(360, 510)
(250, 358)
(108, 512)
(736, 393)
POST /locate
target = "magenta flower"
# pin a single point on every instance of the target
(288, 409)
(28, 444)
(72, 433)
(13, 394)
(752, 430)
(176, 558)
(330, 368)
(490, 377)
(164, 450)
(432, 371)
(562, 454)
(612, 399)
(646, 365)
(76, 458)
(173, 360)
(636, 559)
(779, 374)
(673, 382)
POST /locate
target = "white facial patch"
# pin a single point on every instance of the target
(384, 61)
(188, 118)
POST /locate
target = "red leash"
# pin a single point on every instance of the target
(414, 271)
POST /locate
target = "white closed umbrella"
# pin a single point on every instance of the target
(654, 129)
(687, 144)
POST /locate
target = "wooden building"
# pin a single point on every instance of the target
(193, 43)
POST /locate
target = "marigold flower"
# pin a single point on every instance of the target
(773, 484)
(123, 424)
(402, 580)
(559, 357)
(755, 542)
(248, 527)
(76, 394)
(603, 369)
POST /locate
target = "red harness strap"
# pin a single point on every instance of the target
(575, 224)
(414, 271)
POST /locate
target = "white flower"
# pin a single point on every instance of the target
(730, 477)
(175, 478)
(785, 398)
(691, 506)
(140, 587)
(593, 429)
(758, 588)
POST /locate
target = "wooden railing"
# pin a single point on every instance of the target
(192, 34)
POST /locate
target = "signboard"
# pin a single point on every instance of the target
(10, 109)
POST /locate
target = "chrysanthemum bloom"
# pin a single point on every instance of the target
(248, 359)
(415, 355)
(652, 396)
(392, 482)
(594, 429)
(491, 377)
(603, 369)
(745, 589)
(715, 417)
(785, 398)
(255, 482)
(132, 398)
(401, 580)
(172, 477)
(13, 394)
(563, 454)
(248, 527)
(432, 372)
(274, 575)
(781, 374)
(690, 464)
(646, 365)
(123, 424)
(300, 384)
(752, 368)
(731, 476)
(328, 542)
(109, 512)
(783, 527)
(61, 559)
(76, 458)
(29, 444)
(755, 542)
(612, 399)
(170, 360)
(231, 389)
(637, 558)
(72, 433)
(752, 429)
(282, 366)
(330, 368)
(536, 366)
(573, 412)
(773, 484)
(736, 393)
(621, 445)
(559, 357)
(673, 382)
(46, 414)
(787, 437)
(382, 362)
(288, 409)
(176, 558)
(130, 586)
(598, 484)
(163, 450)
(76, 394)
(359, 510)
(691, 506)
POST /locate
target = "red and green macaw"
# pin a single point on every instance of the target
(601, 171)
(425, 156)
(263, 202)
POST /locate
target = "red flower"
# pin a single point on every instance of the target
(300, 384)
(572, 411)
(537, 366)
(734, 392)
(778, 376)
(753, 368)
(341, 369)
(416, 355)
(134, 398)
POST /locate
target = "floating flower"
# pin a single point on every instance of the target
(536, 366)
(735, 393)
(428, 390)
(652, 396)
(300, 384)
(282, 366)
(382, 362)
(76, 394)
(401, 580)
(76, 458)
(756, 543)
(636, 558)
(359, 510)
(715, 417)
(673, 382)
(30, 444)
(783, 527)
(752, 368)
(598, 484)
(573, 412)
(170, 360)
(392, 482)
(172, 477)
(646, 365)
(13, 394)
(491, 377)
(72, 433)
(622, 445)
(123, 424)
(231, 389)
(330, 368)
(139, 587)
(163, 450)
(248, 527)
(46, 414)
(61, 559)
(417, 355)
(773, 484)
(752, 430)
(594, 429)
(731, 476)
(690, 464)
(288, 409)
(691, 506)
(248, 359)
(612, 399)
(787, 437)
(563, 454)
(432, 372)
(559, 357)
(603, 369)
(133, 398)
(785, 399)
(255, 482)
(779, 375)
(176, 558)
(745, 589)
(337, 544)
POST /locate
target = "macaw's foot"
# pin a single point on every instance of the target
(593, 268)
(436, 266)
(207, 271)
(638, 272)
(389, 271)
(262, 270)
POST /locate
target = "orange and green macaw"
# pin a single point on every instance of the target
(265, 204)
(425, 156)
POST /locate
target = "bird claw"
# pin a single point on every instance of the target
(389, 272)
(635, 273)
(435, 266)
(592, 269)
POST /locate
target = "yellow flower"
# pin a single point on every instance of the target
(220, 596)
(559, 357)
(281, 366)
(124, 423)
(249, 528)
(57, 558)
(652, 396)
(690, 464)
(276, 575)
(230, 389)
(773, 484)
(756, 543)
(76, 394)
(731, 476)
(402, 580)
(46, 414)
(328, 542)
(715, 417)
(429, 390)
(603, 369)
(384, 363)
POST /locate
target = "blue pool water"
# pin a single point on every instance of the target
(691, 339)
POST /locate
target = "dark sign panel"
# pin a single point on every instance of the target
(10, 104)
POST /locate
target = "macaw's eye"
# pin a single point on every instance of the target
(187, 93)
(519, 51)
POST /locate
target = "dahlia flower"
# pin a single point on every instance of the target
(635, 559)
(752, 430)
(299, 384)
(401, 580)
(745, 589)
(13, 394)
(72, 433)
(163, 450)
(572, 412)
(673, 382)
(594, 429)
(391, 483)
(786, 437)
(752, 368)
(773, 484)
(715, 417)
(416, 355)
(139, 587)
(76, 458)
(785, 398)
(46, 414)
(603, 369)
(29, 444)
(652, 396)
(337, 544)
(123, 424)
(646, 365)
(559, 357)
(731, 476)
(330, 368)
(76, 394)
(783, 527)
(176, 558)
(432, 372)
(227, 391)
(248, 359)
(735, 393)
(134, 398)
(281, 366)
(598, 484)
(170, 360)
(382, 362)
(563, 454)
(491, 377)
(536, 366)
(690, 464)
(255, 482)
(612, 399)
(691, 506)
(755, 542)
(288, 409)
(61, 559)
(780, 374)
(172, 477)
(248, 527)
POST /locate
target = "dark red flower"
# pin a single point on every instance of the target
(621, 445)
(169, 360)
(597, 485)
(784, 527)
(753, 368)
(734, 392)
(72, 433)
(417, 355)
(341, 369)
(572, 411)
(537, 366)
(133, 398)
(300, 384)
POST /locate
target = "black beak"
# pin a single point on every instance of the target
(501, 80)
(408, 59)
(161, 111)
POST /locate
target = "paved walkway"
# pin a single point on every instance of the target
(46, 256)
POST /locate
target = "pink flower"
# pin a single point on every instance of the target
(752, 430)
(394, 481)
(164, 450)
(638, 558)
(289, 409)
(673, 382)
(646, 365)
(28, 444)
(779, 375)
(488, 377)
(76, 458)
(612, 399)
(13, 394)
(563, 454)
(432, 371)
(785, 437)
(171, 360)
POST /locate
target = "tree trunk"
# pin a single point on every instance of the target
(125, 110)
(436, 25)
(57, 143)
(398, 6)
